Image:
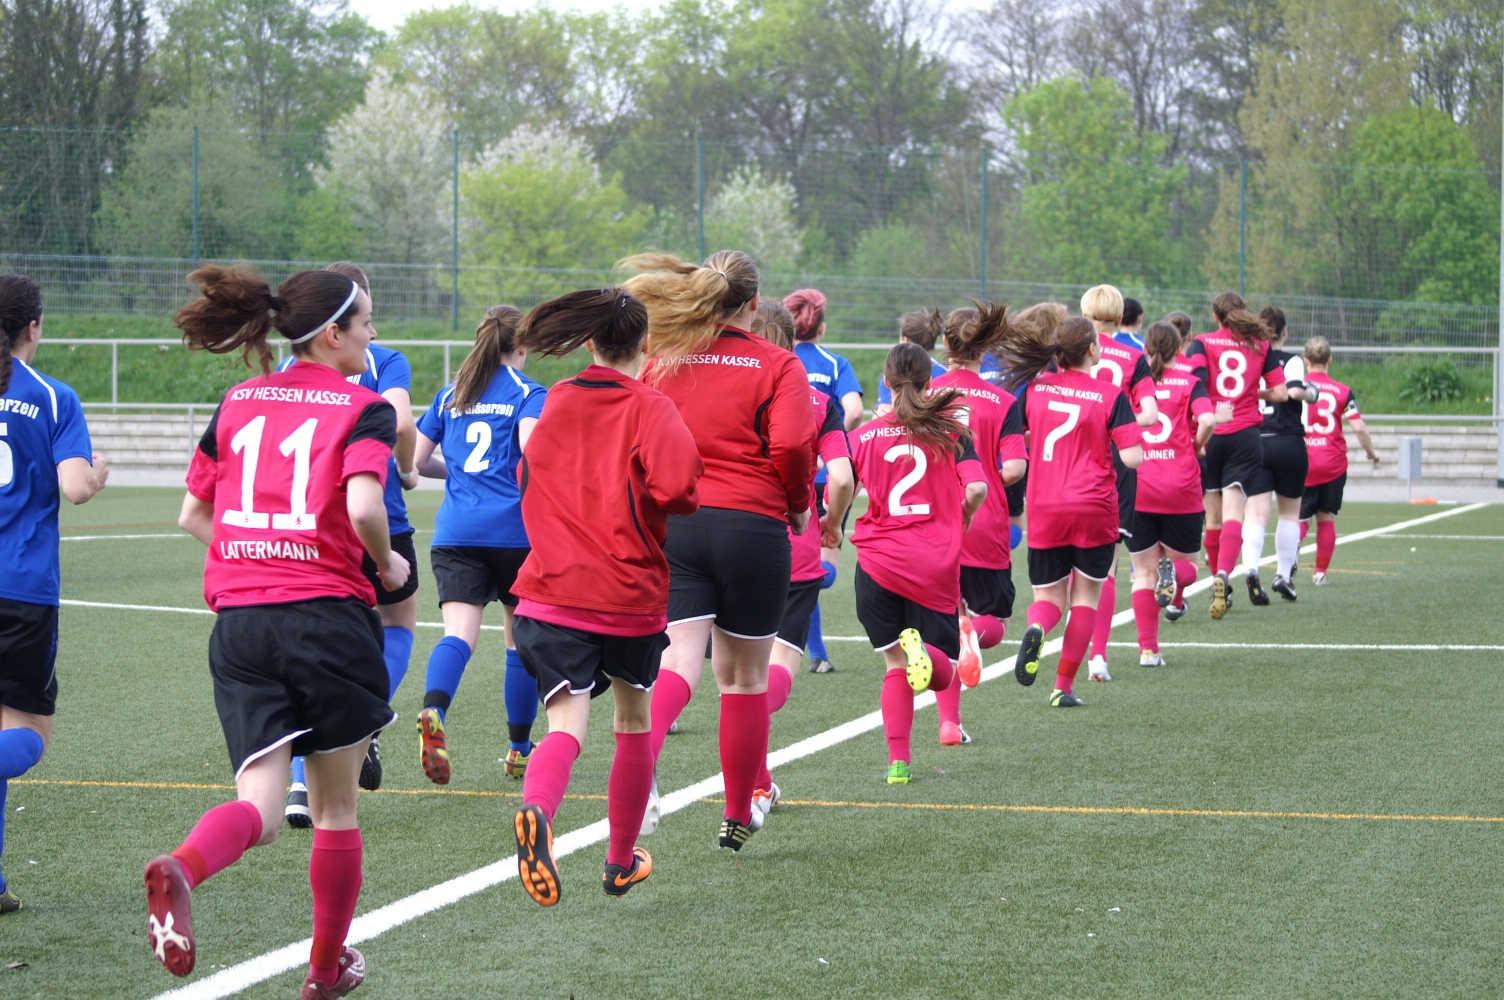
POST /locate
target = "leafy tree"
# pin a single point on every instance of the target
(755, 213)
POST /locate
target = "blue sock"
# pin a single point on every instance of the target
(830, 575)
(299, 776)
(1015, 535)
(446, 665)
(19, 749)
(398, 652)
(521, 695)
(816, 641)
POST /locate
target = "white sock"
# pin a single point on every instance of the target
(1253, 545)
(1287, 546)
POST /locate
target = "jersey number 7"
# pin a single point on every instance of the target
(1072, 413)
(298, 444)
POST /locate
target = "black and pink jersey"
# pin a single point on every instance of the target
(997, 432)
(1326, 446)
(909, 540)
(1125, 367)
(274, 462)
(1169, 480)
(1073, 420)
(830, 444)
(1232, 368)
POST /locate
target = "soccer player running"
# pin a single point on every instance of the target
(925, 484)
(285, 488)
(387, 373)
(481, 422)
(995, 418)
(1285, 466)
(1231, 361)
(1125, 367)
(44, 453)
(1326, 447)
(747, 404)
(1074, 421)
(918, 327)
(608, 461)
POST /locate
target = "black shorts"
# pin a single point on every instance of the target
(1325, 499)
(884, 614)
(1127, 494)
(803, 596)
(560, 657)
(988, 591)
(1236, 460)
(308, 673)
(731, 566)
(1181, 532)
(403, 545)
(1050, 566)
(1286, 461)
(471, 574)
(28, 657)
(1015, 495)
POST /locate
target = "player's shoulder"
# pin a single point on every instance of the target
(53, 395)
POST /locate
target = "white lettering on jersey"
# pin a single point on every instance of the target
(488, 410)
(21, 407)
(275, 549)
(733, 360)
(291, 394)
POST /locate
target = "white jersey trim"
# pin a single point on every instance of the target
(51, 392)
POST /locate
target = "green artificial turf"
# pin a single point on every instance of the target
(973, 898)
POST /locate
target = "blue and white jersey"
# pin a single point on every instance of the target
(1129, 339)
(41, 424)
(992, 368)
(482, 503)
(385, 369)
(830, 373)
(885, 395)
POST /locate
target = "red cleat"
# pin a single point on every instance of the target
(969, 666)
(169, 925)
(352, 972)
(435, 749)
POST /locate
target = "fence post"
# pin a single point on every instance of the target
(192, 426)
(195, 196)
(114, 371)
(454, 255)
(1242, 227)
(1499, 355)
(700, 189)
(982, 266)
(446, 362)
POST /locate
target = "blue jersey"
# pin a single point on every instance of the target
(41, 424)
(1129, 339)
(830, 373)
(992, 368)
(385, 369)
(885, 395)
(482, 502)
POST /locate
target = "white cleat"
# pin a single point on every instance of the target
(1318, 578)
(651, 816)
(763, 800)
(1150, 658)
(1097, 670)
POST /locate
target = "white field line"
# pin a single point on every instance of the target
(206, 611)
(1454, 538)
(100, 538)
(367, 926)
(1316, 645)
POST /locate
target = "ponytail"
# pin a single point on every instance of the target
(775, 324)
(1181, 321)
(972, 332)
(1234, 317)
(807, 306)
(921, 327)
(494, 339)
(610, 318)
(1025, 357)
(931, 418)
(1274, 319)
(689, 305)
(1161, 345)
(237, 309)
(20, 306)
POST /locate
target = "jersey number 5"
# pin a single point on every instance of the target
(1072, 413)
(298, 444)
(1161, 432)
(896, 506)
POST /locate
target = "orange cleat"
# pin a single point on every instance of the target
(969, 666)
(535, 855)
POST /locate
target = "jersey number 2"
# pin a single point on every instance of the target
(478, 434)
(896, 506)
(298, 444)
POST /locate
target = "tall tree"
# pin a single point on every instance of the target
(1459, 48)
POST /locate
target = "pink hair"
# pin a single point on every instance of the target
(808, 308)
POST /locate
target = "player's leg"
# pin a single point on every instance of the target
(819, 657)
(1146, 577)
(782, 666)
(1049, 574)
(543, 788)
(1085, 593)
(1107, 607)
(520, 694)
(1326, 544)
(23, 739)
(1256, 514)
(740, 664)
(398, 624)
(446, 666)
(628, 787)
(334, 869)
(1287, 535)
(679, 676)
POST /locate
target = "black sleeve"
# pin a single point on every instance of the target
(1122, 413)
(209, 443)
(1270, 362)
(1198, 350)
(377, 421)
(1198, 391)
(835, 419)
(1013, 420)
(1141, 371)
(1022, 406)
(968, 450)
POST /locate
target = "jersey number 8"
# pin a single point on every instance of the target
(1232, 366)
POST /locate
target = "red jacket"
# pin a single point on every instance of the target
(747, 404)
(607, 462)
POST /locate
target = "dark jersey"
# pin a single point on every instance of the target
(1284, 419)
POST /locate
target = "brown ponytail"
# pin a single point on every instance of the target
(20, 306)
(688, 304)
(353, 271)
(1161, 344)
(972, 332)
(1024, 357)
(494, 340)
(1181, 321)
(610, 318)
(929, 417)
(775, 324)
(1233, 315)
(236, 309)
(921, 327)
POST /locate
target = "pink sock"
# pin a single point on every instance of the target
(218, 839)
(990, 630)
(627, 794)
(1232, 547)
(1146, 617)
(1107, 606)
(1305, 529)
(948, 695)
(334, 873)
(1044, 614)
(944, 674)
(898, 714)
(780, 682)
(1078, 629)
(744, 749)
(1326, 543)
(1185, 575)
(1213, 547)
(547, 775)
(670, 694)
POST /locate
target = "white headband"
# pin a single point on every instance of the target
(354, 291)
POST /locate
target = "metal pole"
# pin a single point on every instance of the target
(114, 371)
(192, 426)
(454, 250)
(195, 196)
(446, 362)
(1242, 227)
(1499, 357)
(982, 267)
(700, 188)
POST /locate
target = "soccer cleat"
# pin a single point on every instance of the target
(734, 834)
(352, 972)
(8, 902)
(1284, 588)
(435, 751)
(1064, 699)
(1319, 578)
(1150, 658)
(920, 669)
(1256, 595)
(1164, 587)
(370, 768)
(535, 855)
(1026, 667)
(764, 799)
(516, 763)
(898, 773)
(616, 880)
(953, 735)
(821, 667)
(1097, 669)
(296, 810)
(169, 922)
(1174, 612)
(652, 814)
(673, 728)
(1221, 596)
(969, 666)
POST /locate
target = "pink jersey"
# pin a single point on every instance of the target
(1073, 421)
(1125, 367)
(1325, 445)
(274, 462)
(830, 444)
(1169, 480)
(1232, 368)
(997, 432)
(909, 540)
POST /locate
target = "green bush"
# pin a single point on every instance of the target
(1434, 382)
